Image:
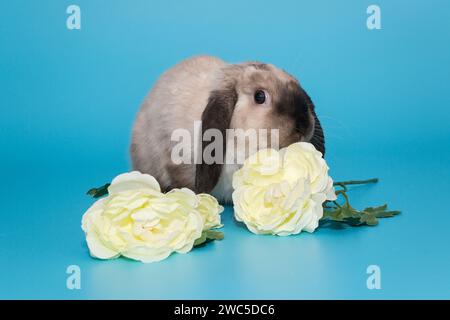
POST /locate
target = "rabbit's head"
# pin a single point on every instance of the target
(257, 96)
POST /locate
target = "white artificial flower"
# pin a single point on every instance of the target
(282, 192)
(138, 221)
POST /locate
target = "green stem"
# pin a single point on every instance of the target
(337, 204)
(351, 182)
(342, 192)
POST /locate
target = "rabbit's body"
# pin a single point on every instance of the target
(176, 101)
(221, 96)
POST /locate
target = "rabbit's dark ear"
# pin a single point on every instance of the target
(318, 138)
(217, 115)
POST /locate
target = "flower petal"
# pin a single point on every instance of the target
(132, 181)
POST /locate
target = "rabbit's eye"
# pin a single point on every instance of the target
(260, 96)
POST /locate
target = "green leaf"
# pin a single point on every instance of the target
(208, 236)
(376, 209)
(369, 219)
(346, 214)
(98, 192)
(387, 214)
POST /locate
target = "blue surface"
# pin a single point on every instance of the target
(68, 100)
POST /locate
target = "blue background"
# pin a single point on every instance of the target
(68, 99)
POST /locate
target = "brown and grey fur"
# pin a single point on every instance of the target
(221, 95)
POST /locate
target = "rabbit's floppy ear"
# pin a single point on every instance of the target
(318, 138)
(217, 115)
